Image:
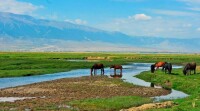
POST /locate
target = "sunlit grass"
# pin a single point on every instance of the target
(109, 104)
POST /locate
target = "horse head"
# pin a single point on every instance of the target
(152, 68)
(185, 69)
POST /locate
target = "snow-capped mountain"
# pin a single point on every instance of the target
(22, 32)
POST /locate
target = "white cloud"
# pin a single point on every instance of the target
(193, 4)
(14, 6)
(173, 13)
(77, 21)
(198, 29)
(187, 25)
(156, 27)
(140, 17)
(191, 1)
(195, 8)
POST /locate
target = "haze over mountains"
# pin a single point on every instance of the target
(26, 33)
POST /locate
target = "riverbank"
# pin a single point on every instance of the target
(188, 84)
(73, 92)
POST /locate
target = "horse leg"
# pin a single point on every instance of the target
(195, 71)
(157, 68)
(163, 68)
(114, 71)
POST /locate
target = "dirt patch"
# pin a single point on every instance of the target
(166, 104)
(61, 91)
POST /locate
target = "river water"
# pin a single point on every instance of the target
(128, 72)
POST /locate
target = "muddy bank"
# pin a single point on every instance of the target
(57, 92)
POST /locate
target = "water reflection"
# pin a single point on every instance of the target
(128, 72)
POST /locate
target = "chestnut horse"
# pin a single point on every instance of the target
(116, 67)
(97, 66)
(159, 64)
(189, 67)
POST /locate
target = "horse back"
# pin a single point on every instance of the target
(190, 66)
(159, 64)
(193, 65)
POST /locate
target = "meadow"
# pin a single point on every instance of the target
(188, 84)
(13, 64)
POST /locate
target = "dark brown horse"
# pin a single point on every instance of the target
(159, 64)
(116, 67)
(167, 67)
(189, 67)
(95, 67)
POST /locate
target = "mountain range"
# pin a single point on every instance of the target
(26, 33)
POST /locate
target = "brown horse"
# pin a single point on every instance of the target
(159, 64)
(97, 66)
(116, 67)
(189, 67)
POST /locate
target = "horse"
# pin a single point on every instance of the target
(159, 64)
(97, 66)
(189, 67)
(152, 68)
(116, 67)
(167, 67)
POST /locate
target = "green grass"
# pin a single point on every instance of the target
(13, 64)
(188, 84)
(109, 104)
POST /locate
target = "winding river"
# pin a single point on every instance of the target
(128, 73)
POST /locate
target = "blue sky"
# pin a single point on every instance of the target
(157, 18)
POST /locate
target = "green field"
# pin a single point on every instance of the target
(14, 64)
(188, 84)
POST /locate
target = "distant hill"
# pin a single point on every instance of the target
(26, 33)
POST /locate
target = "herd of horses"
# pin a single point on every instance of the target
(166, 67)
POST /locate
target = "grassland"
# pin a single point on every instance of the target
(13, 64)
(188, 84)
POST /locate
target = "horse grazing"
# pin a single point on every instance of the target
(159, 64)
(152, 68)
(116, 67)
(97, 66)
(167, 67)
(189, 67)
